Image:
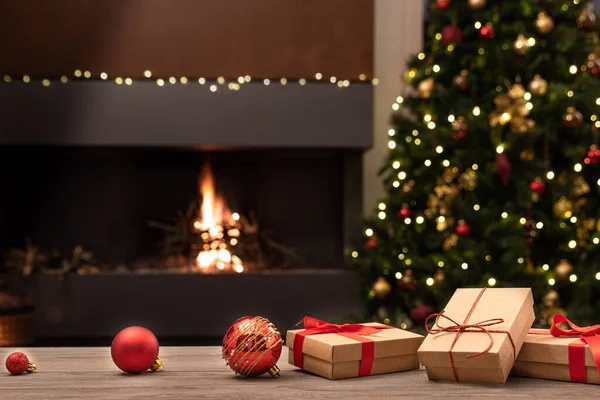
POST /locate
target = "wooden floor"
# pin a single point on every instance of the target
(200, 373)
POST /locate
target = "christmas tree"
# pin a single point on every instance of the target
(492, 177)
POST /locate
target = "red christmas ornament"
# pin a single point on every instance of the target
(503, 168)
(538, 186)
(443, 4)
(404, 212)
(135, 350)
(451, 33)
(18, 363)
(593, 155)
(420, 313)
(252, 346)
(462, 229)
(487, 31)
(370, 243)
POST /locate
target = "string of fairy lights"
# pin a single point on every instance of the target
(213, 84)
(429, 122)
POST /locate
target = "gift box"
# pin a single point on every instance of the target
(478, 335)
(562, 355)
(351, 350)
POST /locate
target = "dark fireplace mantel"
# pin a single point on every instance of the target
(97, 113)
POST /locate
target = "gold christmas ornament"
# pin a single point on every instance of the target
(544, 23)
(527, 154)
(563, 208)
(587, 18)
(572, 118)
(468, 180)
(550, 298)
(538, 86)
(563, 269)
(580, 187)
(442, 224)
(511, 108)
(521, 45)
(461, 81)
(408, 186)
(477, 4)
(450, 242)
(382, 287)
(425, 88)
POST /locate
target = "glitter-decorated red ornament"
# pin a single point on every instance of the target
(18, 363)
(451, 33)
(487, 31)
(463, 229)
(443, 4)
(537, 186)
(252, 346)
(420, 313)
(135, 350)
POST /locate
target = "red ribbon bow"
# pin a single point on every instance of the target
(587, 336)
(315, 326)
(481, 326)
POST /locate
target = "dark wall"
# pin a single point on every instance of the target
(209, 38)
(103, 197)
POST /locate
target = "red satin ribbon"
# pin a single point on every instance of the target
(587, 335)
(481, 326)
(315, 326)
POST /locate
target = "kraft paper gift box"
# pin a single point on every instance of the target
(562, 355)
(478, 335)
(351, 350)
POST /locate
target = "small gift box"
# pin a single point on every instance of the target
(562, 355)
(351, 350)
(477, 337)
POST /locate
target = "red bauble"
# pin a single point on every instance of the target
(420, 313)
(538, 186)
(487, 31)
(18, 363)
(462, 229)
(134, 349)
(593, 155)
(404, 212)
(451, 33)
(443, 4)
(252, 346)
(503, 168)
(370, 243)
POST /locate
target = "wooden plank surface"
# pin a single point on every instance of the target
(200, 373)
(193, 38)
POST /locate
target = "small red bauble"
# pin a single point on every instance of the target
(18, 363)
(371, 242)
(134, 350)
(404, 212)
(593, 155)
(252, 346)
(538, 186)
(451, 33)
(420, 313)
(487, 31)
(443, 4)
(463, 229)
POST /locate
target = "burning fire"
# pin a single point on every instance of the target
(219, 229)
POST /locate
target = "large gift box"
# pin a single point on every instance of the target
(562, 355)
(477, 337)
(351, 350)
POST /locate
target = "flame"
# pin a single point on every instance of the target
(215, 220)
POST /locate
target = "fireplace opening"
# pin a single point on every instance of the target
(144, 210)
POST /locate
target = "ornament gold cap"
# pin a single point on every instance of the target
(158, 364)
(31, 367)
(274, 371)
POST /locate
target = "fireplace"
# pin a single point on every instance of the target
(181, 217)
